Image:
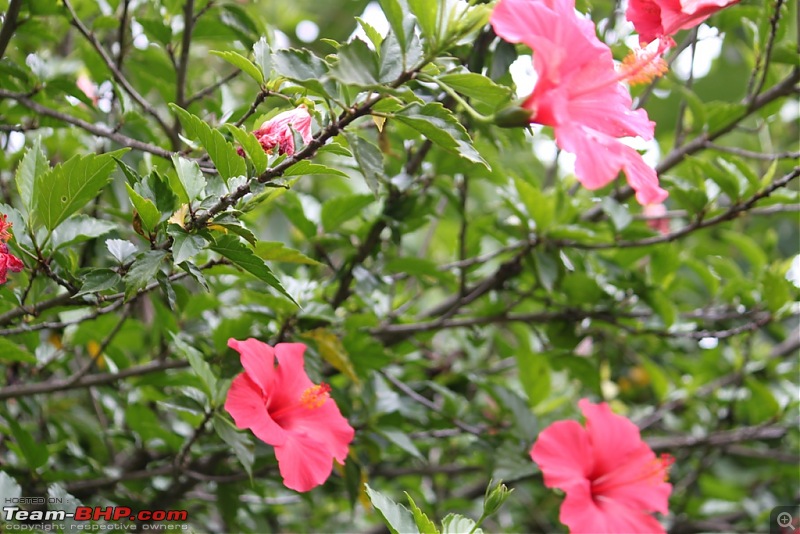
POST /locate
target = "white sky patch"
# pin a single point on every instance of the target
(545, 149)
(652, 152)
(708, 343)
(790, 111)
(523, 75)
(709, 46)
(139, 38)
(307, 31)
(793, 274)
(372, 15)
(280, 40)
(16, 141)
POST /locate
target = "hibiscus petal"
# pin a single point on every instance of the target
(304, 462)
(258, 360)
(290, 374)
(614, 439)
(325, 425)
(564, 454)
(584, 514)
(639, 483)
(246, 405)
(14, 264)
(600, 158)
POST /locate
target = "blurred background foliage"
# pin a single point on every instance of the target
(456, 308)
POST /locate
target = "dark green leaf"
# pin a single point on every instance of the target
(143, 271)
(341, 209)
(34, 451)
(221, 152)
(147, 211)
(33, 164)
(370, 160)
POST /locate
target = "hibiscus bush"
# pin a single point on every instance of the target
(424, 266)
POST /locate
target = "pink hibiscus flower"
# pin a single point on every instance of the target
(579, 91)
(5, 226)
(278, 130)
(283, 408)
(612, 479)
(657, 18)
(8, 262)
(655, 218)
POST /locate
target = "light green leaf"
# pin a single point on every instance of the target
(148, 212)
(221, 152)
(98, 280)
(192, 183)
(277, 251)
(33, 164)
(78, 229)
(357, 65)
(143, 271)
(402, 440)
(120, 249)
(70, 186)
(305, 168)
(10, 352)
(438, 124)
(369, 159)
(424, 524)
(240, 255)
(263, 57)
(338, 210)
(458, 524)
(184, 244)
(426, 13)
(198, 364)
(477, 87)
(396, 516)
(238, 60)
(302, 67)
(9, 489)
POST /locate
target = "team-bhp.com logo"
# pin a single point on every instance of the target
(18, 519)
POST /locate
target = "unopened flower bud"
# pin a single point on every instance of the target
(513, 117)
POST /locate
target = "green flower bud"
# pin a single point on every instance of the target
(513, 117)
(495, 497)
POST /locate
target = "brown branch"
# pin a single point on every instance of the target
(50, 386)
(89, 127)
(115, 72)
(718, 439)
(9, 25)
(199, 95)
(750, 154)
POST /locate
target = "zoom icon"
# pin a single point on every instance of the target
(784, 520)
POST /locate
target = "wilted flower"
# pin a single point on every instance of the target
(277, 131)
(8, 262)
(658, 18)
(283, 408)
(4, 227)
(612, 479)
(579, 91)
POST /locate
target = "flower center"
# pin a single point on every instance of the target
(654, 472)
(315, 396)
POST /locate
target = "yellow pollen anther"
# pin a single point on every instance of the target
(315, 396)
(642, 66)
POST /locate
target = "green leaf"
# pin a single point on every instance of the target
(70, 186)
(228, 162)
(338, 210)
(191, 182)
(241, 62)
(332, 351)
(761, 405)
(277, 251)
(618, 213)
(240, 255)
(396, 516)
(184, 244)
(143, 271)
(98, 280)
(251, 147)
(120, 249)
(148, 212)
(458, 524)
(78, 229)
(10, 352)
(397, 15)
(534, 374)
(357, 65)
(239, 442)
(424, 524)
(305, 168)
(426, 13)
(34, 451)
(33, 164)
(539, 206)
(198, 364)
(369, 159)
(302, 67)
(371, 33)
(438, 124)
(263, 57)
(477, 87)
(402, 440)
